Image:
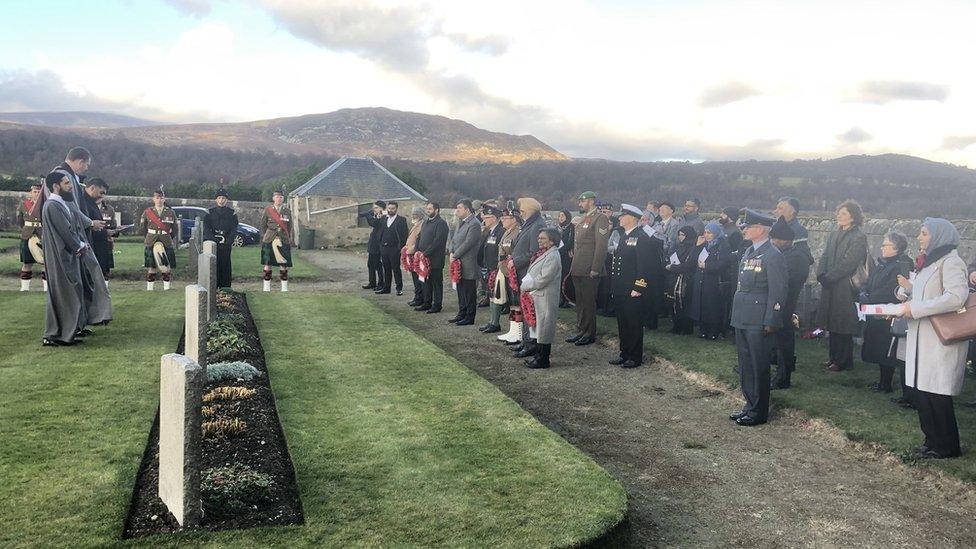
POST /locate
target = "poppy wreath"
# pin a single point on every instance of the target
(456, 271)
(421, 266)
(406, 261)
(528, 308)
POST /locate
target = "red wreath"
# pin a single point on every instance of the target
(491, 279)
(528, 309)
(456, 271)
(421, 266)
(406, 261)
(512, 277)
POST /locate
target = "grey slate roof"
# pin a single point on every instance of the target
(357, 178)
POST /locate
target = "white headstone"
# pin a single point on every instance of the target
(207, 277)
(195, 330)
(209, 247)
(181, 383)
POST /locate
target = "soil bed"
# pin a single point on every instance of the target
(261, 448)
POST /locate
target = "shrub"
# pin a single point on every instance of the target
(231, 371)
(233, 487)
(225, 341)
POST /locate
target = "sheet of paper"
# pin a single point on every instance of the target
(674, 259)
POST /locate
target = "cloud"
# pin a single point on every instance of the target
(728, 92)
(44, 90)
(855, 135)
(493, 44)
(195, 8)
(880, 92)
(958, 142)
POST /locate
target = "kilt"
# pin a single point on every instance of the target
(268, 256)
(26, 257)
(150, 261)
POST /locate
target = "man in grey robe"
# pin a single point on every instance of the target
(98, 302)
(63, 249)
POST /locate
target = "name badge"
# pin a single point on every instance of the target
(586, 225)
(491, 240)
(632, 241)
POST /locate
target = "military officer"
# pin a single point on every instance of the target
(757, 313)
(220, 226)
(277, 238)
(158, 222)
(633, 267)
(588, 266)
(29, 221)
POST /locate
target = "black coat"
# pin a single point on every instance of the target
(881, 286)
(433, 241)
(220, 225)
(488, 252)
(707, 303)
(394, 236)
(379, 225)
(687, 254)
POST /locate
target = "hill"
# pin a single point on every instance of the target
(74, 119)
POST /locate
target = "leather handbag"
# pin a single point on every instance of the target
(957, 326)
(899, 327)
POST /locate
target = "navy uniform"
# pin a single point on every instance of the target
(632, 269)
(797, 269)
(757, 312)
(220, 226)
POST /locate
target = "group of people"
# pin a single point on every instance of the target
(68, 230)
(742, 273)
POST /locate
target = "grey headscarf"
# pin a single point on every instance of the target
(941, 233)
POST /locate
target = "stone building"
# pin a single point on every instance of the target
(331, 203)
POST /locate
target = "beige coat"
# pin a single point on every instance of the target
(412, 237)
(931, 366)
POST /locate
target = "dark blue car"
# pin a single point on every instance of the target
(246, 234)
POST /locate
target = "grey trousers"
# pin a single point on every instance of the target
(754, 346)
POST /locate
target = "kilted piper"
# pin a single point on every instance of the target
(29, 221)
(159, 224)
(277, 238)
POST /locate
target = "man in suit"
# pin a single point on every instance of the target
(392, 239)
(757, 313)
(376, 218)
(464, 248)
(432, 242)
(636, 270)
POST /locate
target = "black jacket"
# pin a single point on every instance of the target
(220, 225)
(638, 265)
(488, 253)
(394, 236)
(433, 241)
(707, 304)
(379, 225)
(880, 287)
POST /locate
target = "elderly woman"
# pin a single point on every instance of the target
(679, 280)
(846, 252)
(935, 370)
(881, 287)
(542, 281)
(713, 255)
(417, 216)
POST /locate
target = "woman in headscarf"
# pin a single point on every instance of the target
(679, 280)
(935, 370)
(881, 286)
(542, 282)
(712, 256)
(845, 254)
(567, 235)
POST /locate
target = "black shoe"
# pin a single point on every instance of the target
(378, 292)
(585, 341)
(617, 361)
(433, 310)
(493, 329)
(48, 342)
(422, 308)
(629, 364)
(399, 292)
(903, 402)
(779, 385)
(413, 303)
(453, 320)
(736, 415)
(519, 347)
(482, 304)
(529, 350)
(934, 454)
(369, 287)
(574, 339)
(879, 388)
(510, 343)
(537, 363)
(83, 333)
(484, 327)
(748, 421)
(464, 322)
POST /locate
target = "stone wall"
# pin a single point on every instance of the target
(340, 226)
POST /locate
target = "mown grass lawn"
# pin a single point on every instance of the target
(129, 258)
(841, 398)
(394, 443)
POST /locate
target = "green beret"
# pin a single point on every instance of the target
(587, 195)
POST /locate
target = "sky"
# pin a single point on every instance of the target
(623, 80)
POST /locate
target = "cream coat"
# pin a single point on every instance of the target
(542, 281)
(931, 366)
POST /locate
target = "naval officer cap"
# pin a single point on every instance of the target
(752, 217)
(587, 195)
(627, 209)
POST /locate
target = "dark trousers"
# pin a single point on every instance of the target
(434, 288)
(938, 421)
(467, 291)
(375, 265)
(586, 290)
(630, 326)
(841, 350)
(785, 354)
(649, 312)
(603, 294)
(418, 287)
(753, 347)
(224, 268)
(390, 258)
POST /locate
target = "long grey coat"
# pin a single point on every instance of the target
(930, 366)
(65, 301)
(526, 243)
(464, 246)
(845, 252)
(542, 281)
